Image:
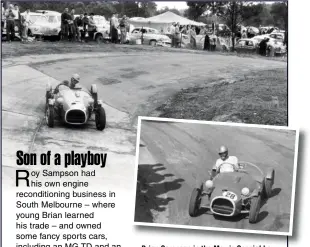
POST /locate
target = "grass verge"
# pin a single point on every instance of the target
(256, 98)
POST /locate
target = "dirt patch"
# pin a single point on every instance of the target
(134, 74)
(108, 81)
(257, 98)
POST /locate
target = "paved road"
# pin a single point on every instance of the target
(176, 157)
(130, 84)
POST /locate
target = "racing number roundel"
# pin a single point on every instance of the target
(230, 195)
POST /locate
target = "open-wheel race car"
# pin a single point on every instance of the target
(74, 106)
(234, 193)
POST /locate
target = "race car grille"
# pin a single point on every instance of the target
(75, 117)
(222, 206)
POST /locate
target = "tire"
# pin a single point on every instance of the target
(254, 209)
(194, 202)
(268, 183)
(49, 116)
(100, 119)
(99, 38)
(153, 42)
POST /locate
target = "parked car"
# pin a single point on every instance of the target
(247, 46)
(53, 26)
(150, 36)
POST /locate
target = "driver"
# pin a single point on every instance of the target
(225, 163)
(75, 79)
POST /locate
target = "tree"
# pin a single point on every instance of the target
(233, 16)
(280, 16)
(195, 9)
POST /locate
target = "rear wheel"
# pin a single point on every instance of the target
(194, 203)
(100, 118)
(49, 116)
(254, 209)
(153, 42)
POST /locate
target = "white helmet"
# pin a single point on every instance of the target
(223, 149)
(76, 77)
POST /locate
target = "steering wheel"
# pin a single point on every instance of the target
(227, 163)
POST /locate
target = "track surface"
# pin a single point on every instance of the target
(176, 157)
(130, 84)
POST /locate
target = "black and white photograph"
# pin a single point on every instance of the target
(187, 60)
(216, 176)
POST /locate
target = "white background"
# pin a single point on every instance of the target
(120, 227)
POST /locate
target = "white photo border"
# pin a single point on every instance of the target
(173, 120)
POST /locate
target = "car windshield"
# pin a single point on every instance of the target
(42, 19)
(53, 19)
(33, 18)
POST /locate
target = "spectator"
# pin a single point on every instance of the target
(91, 26)
(17, 19)
(177, 35)
(172, 34)
(213, 42)
(10, 24)
(207, 43)
(72, 27)
(244, 35)
(2, 18)
(263, 47)
(123, 27)
(65, 17)
(192, 34)
(114, 31)
(79, 25)
(85, 23)
(26, 22)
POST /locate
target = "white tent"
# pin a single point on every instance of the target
(163, 21)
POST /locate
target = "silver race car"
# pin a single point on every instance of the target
(74, 106)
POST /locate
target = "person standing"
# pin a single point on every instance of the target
(177, 35)
(91, 26)
(72, 26)
(172, 33)
(206, 45)
(123, 27)
(78, 22)
(65, 17)
(10, 24)
(114, 31)
(192, 33)
(17, 20)
(26, 23)
(85, 26)
(2, 18)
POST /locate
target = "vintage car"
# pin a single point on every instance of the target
(53, 26)
(150, 36)
(275, 47)
(230, 194)
(247, 46)
(74, 106)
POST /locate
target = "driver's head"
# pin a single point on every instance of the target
(75, 79)
(223, 152)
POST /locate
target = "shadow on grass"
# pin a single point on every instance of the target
(152, 187)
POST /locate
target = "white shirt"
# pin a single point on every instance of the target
(16, 12)
(229, 165)
(172, 29)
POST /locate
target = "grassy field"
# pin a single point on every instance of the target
(259, 97)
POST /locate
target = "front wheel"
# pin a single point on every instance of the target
(268, 183)
(194, 202)
(254, 210)
(153, 42)
(49, 116)
(100, 118)
(99, 39)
